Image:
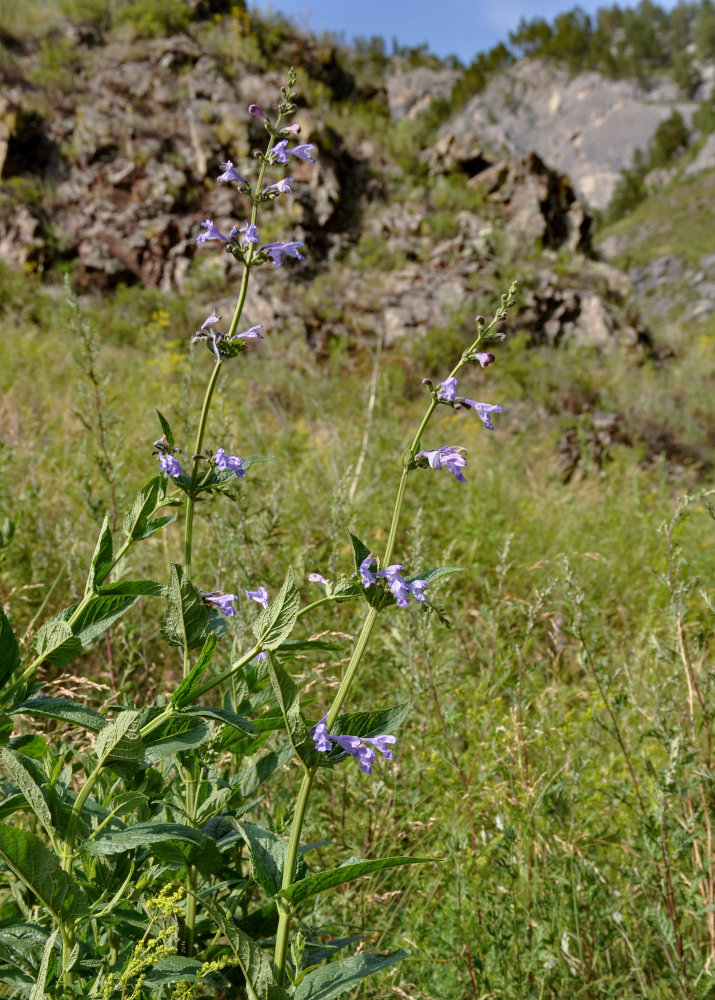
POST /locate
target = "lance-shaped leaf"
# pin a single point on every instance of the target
(254, 962)
(62, 709)
(185, 691)
(149, 588)
(337, 978)
(360, 550)
(180, 969)
(149, 499)
(99, 614)
(25, 781)
(266, 851)
(286, 694)
(56, 642)
(223, 715)
(430, 575)
(186, 619)
(141, 835)
(320, 881)
(251, 778)
(9, 649)
(38, 990)
(39, 869)
(180, 734)
(102, 558)
(166, 429)
(275, 623)
(119, 744)
(21, 944)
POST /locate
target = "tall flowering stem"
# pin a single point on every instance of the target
(470, 356)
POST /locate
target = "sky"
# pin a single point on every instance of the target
(450, 27)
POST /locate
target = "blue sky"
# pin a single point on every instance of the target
(459, 27)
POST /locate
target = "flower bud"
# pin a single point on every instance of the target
(256, 111)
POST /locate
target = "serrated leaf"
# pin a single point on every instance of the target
(102, 558)
(166, 429)
(372, 723)
(21, 944)
(430, 575)
(286, 694)
(31, 791)
(119, 743)
(148, 499)
(180, 734)
(56, 642)
(141, 835)
(255, 964)
(223, 715)
(251, 778)
(62, 709)
(38, 990)
(40, 871)
(9, 649)
(99, 614)
(266, 851)
(149, 588)
(311, 885)
(185, 691)
(275, 623)
(346, 589)
(337, 978)
(360, 550)
(291, 646)
(186, 619)
(179, 968)
(155, 524)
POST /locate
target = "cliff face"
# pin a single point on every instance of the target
(108, 161)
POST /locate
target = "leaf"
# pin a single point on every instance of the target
(267, 852)
(28, 786)
(119, 744)
(275, 623)
(179, 968)
(141, 835)
(21, 944)
(186, 618)
(291, 646)
(435, 574)
(360, 550)
(126, 587)
(255, 964)
(185, 691)
(149, 498)
(101, 612)
(373, 723)
(166, 429)
(311, 885)
(332, 980)
(38, 990)
(346, 589)
(102, 558)
(179, 735)
(156, 524)
(62, 709)
(56, 642)
(286, 694)
(251, 778)
(39, 869)
(9, 649)
(222, 715)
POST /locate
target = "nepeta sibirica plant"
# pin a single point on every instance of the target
(138, 853)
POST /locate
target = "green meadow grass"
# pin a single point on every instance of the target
(559, 684)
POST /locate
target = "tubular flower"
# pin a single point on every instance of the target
(449, 458)
(317, 578)
(362, 748)
(277, 250)
(448, 389)
(212, 233)
(170, 465)
(229, 174)
(280, 187)
(367, 577)
(260, 596)
(302, 151)
(224, 602)
(484, 358)
(400, 588)
(484, 411)
(232, 462)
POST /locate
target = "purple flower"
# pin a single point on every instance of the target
(251, 233)
(211, 320)
(212, 233)
(280, 187)
(262, 656)
(224, 602)
(303, 151)
(483, 411)
(260, 596)
(171, 465)
(396, 583)
(359, 747)
(256, 110)
(279, 151)
(317, 578)
(366, 576)
(449, 458)
(253, 334)
(294, 129)
(484, 358)
(229, 174)
(417, 588)
(447, 389)
(276, 251)
(232, 462)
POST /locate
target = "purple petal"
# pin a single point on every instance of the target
(366, 576)
(232, 462)
(447, 389)
(212, 233)
(171, 465)
(224, 602)
(260, 596)
(484, 411)
(317, 578)
(229, 174)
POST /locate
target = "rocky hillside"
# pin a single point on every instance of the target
(110, 142)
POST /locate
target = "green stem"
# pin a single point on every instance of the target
(192, 799)
(284, 906)
(189, 526)
(84, 793)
